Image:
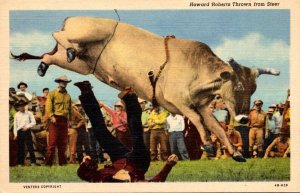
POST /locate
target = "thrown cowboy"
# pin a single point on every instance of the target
(127, 166)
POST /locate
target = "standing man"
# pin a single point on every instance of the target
(278, 116)
(23, 122)
(59, 109)
(175, 127)
(258, 122)
(157, 121)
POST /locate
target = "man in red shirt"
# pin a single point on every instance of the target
(127, 165)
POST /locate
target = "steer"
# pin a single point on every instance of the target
(121, 55)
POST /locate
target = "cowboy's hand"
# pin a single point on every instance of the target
(266, 135)
(86, 159)
(52, 119)
(172, 160)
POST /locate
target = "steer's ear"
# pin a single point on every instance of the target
(225, 75)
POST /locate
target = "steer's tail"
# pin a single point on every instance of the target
(25, 56)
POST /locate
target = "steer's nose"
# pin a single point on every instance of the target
(42, 69)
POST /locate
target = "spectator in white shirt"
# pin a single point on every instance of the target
(23, 122)
(278, 117)
(175, 127)
(22, 86)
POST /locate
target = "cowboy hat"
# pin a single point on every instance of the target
(258, 102)
(22, 83)
(63, 78)
(21, 103)
(119, 103)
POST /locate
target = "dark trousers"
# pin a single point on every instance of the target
(58, 136)
(115, 149)
(24, 137)
(244, 131)
(83, 144)
(96, 149)
(177, 144)
(147, 139)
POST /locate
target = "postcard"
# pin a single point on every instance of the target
(213, 82)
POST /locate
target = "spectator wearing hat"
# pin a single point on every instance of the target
(83, 144)
(278, 116)
(23, 122)
(280, 147)
(59, 109)
(271, 126)
(22, 86)
(145, 117)
(119, 119)
(12, 143)
(157, 124)
(258, 124)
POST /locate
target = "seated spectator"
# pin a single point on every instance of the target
(175, 127)
(22, 86)
(280, 147)
(23, 122)
(217, 149)
(235, 139)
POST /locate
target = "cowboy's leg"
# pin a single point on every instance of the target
(29, 144)
(107, 141)
(140, 154)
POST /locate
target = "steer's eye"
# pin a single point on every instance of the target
(239, 87)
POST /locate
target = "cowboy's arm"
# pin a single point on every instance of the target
(163, 174)
(270, 147)
(287, 150)
(49, 105)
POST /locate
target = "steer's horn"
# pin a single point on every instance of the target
(233, 64)
(270, 71)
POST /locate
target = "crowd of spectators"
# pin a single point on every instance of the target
(53, 129)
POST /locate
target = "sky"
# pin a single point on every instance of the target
(254, 38)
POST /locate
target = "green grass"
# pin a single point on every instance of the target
(188, 171)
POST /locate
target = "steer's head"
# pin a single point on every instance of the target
(244, 84)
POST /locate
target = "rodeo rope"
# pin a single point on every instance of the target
(151, 75)
(115, 28)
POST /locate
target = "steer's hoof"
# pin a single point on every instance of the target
(238, 157)
(71, 54)
(209, 149)
(42, 69)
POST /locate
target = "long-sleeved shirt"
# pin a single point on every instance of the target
(106, 174)
(258, 119)
(59, 103)
(271, 124)
(23, 120)
(145, 117)
(278, 119)
(175, 123)
(119, 119)
(158, 118)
